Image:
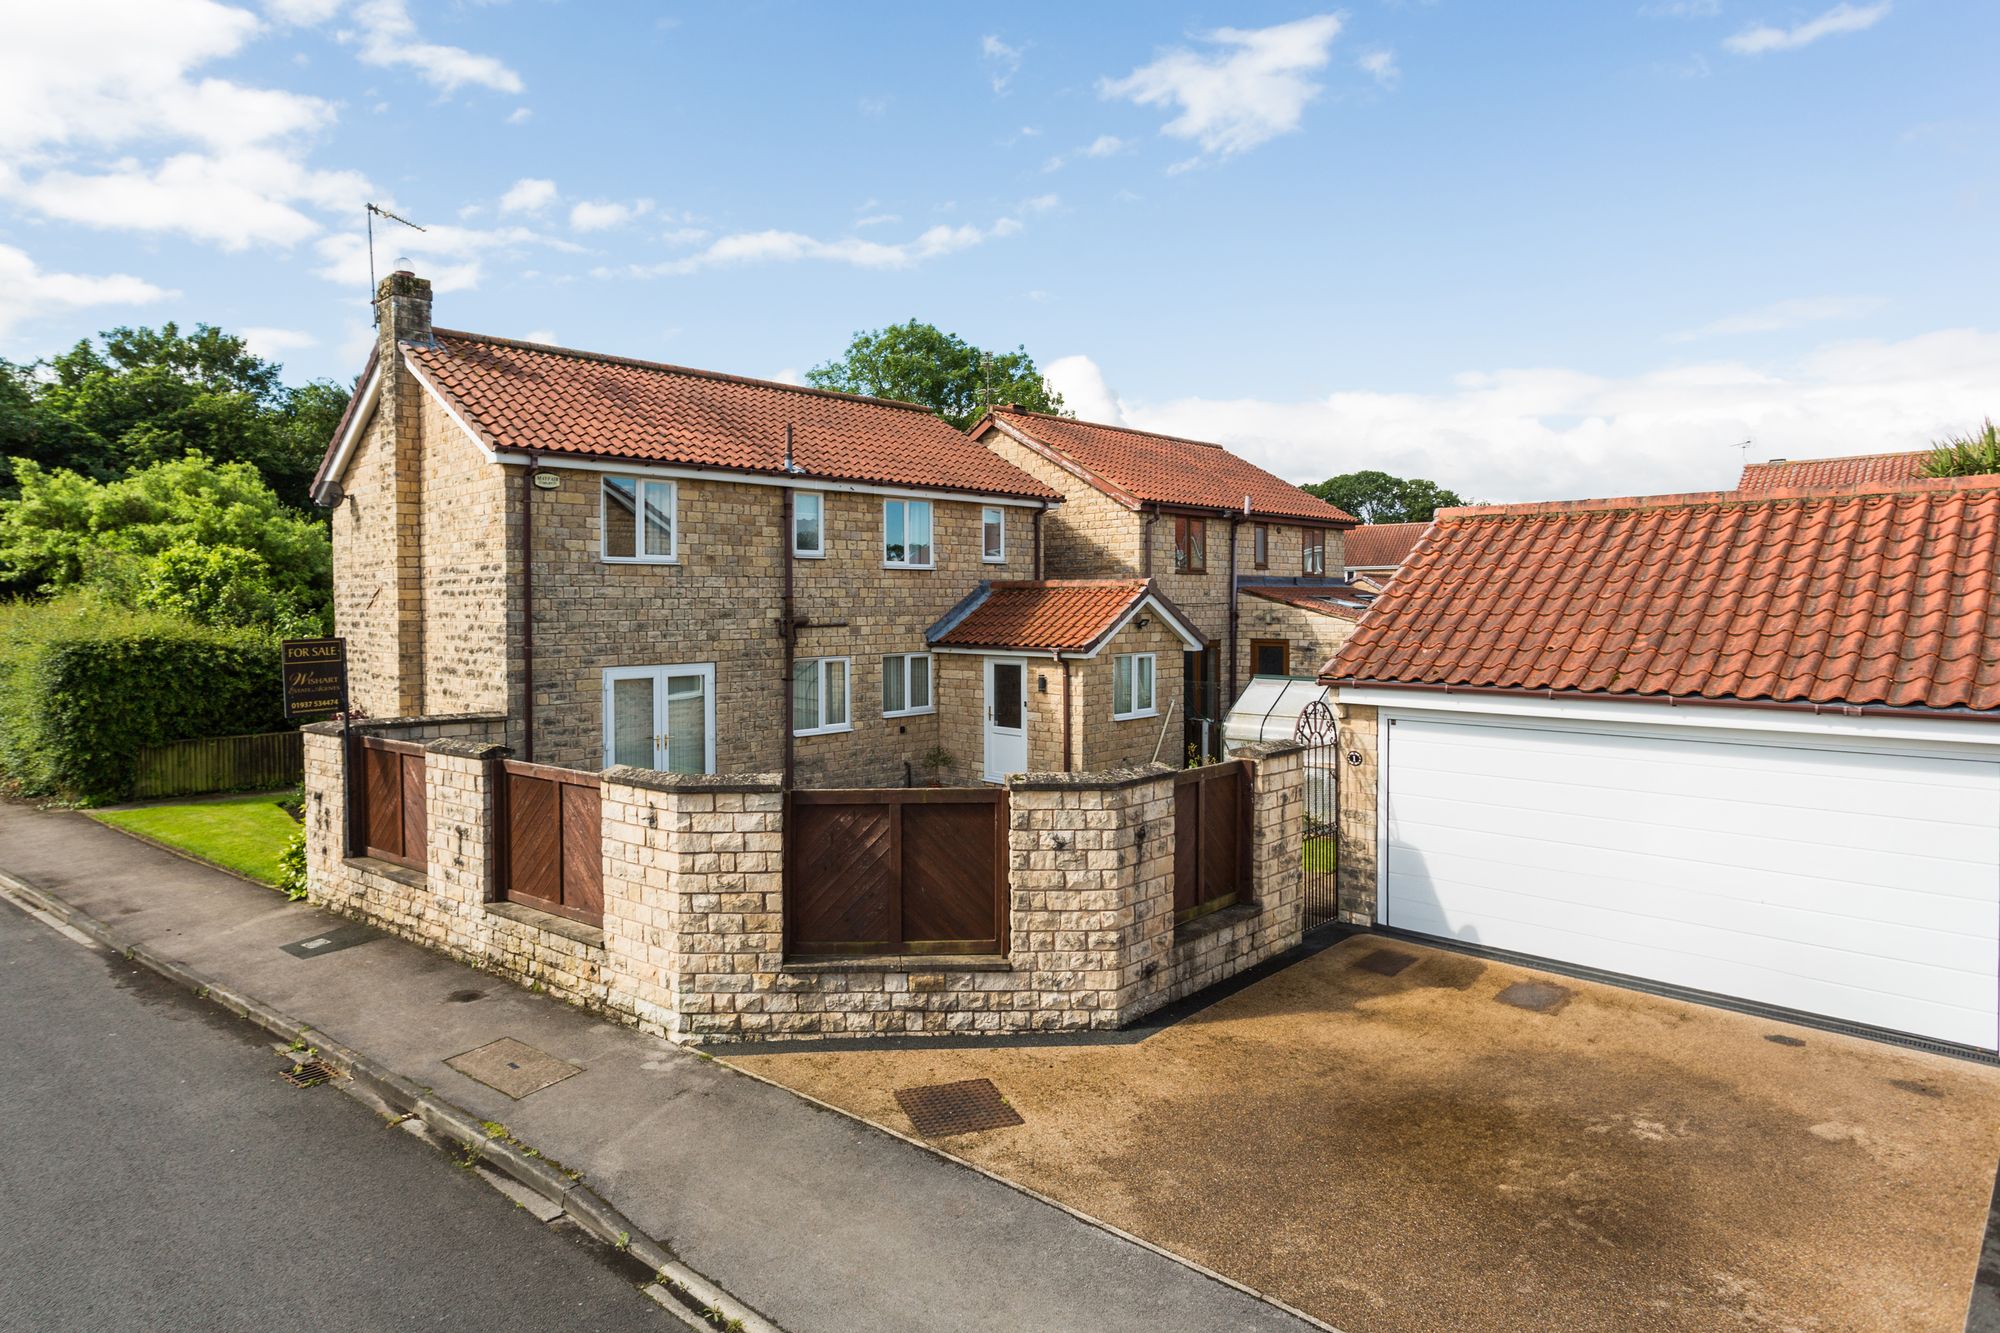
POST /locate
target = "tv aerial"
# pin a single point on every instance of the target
(376, 211)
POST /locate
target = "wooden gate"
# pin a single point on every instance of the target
(896, 871)
(390, 822)
(1211, 839)
(550, 840)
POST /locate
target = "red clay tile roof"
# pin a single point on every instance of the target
(1048, 615)
(1852, 596)
(1139, 467)
(524, 396)
(1859, 470)
(1376, 545)
(1336, 600)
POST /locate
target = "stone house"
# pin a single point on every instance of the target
(1208, 527)
(646, 565)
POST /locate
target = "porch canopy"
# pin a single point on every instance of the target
(1268, 709)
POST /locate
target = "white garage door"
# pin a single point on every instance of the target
(1859, 885)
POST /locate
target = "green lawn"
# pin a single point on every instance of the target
(242, 833)
(1318, 857)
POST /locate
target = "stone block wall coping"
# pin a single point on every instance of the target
(1267, 749)
(415, 879)
(694, 782)
(376, 726)
(947, 962)
(592, 936)
(460, 748)
(1215, 923)
(1109, 780)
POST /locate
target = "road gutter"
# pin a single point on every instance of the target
(699, 1303)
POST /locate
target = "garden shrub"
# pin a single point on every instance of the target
(84, 684)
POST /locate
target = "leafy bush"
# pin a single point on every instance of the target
(1976, 455)
(84, 684)
(292, 867)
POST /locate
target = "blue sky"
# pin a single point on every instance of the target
(1528, 250)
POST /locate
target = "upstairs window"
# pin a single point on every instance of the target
(819, 695)
(1190, 546)
(637, 519)
(993, 535)
(1260, 545)
(1313, 557)
(809, 524)
(906, 684)
(906, 534)
(1132, 686)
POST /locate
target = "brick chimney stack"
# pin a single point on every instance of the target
(403, 309)
(403, 315)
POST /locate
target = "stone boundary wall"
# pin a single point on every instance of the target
(1356, 825)
(692, 941)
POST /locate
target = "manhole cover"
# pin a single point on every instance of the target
(1385, 962)
(309, 1073)
(331, 941)
(938, 1109)
(1542, 997)
(512, 1067)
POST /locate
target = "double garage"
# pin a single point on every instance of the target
(1844, 867)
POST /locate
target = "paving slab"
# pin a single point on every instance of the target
(815, 1220)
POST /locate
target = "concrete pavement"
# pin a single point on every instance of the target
(813, 1220)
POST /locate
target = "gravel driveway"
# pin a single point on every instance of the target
(1406, 1151)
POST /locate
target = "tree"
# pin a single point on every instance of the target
(28, 429)
(1975, 455)
(1377, 497)
(143, 396)
(921, 363)
(66, 530)
(221, 586)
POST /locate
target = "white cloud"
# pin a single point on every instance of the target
(1842, 18)
(1380, 66)
(877, 219)
(26, 292)
(1104, 145)
(1681, 9)
(272, 344)
(1781, 315)
(790, 247)
(453, 258)
(528, 195)
(302, 13)
(601, 215)
(1002, 60)
(234, 199)
(1083, 390)
(387, 36)
(519, 115)
(789, 375)
(547, 336)
(1252, 88)
(1552, 433)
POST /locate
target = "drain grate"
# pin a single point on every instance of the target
(309, 1074)
(1540, 997)
(940, 1109)
(1385, 962)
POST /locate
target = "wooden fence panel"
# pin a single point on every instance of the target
(219, 763)
(551, 840)
(896, 870)
(1211, 839)
(391, 791)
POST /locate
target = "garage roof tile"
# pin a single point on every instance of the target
(1856, 595)
(1857, 470)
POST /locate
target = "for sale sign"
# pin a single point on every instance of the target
(315, 677)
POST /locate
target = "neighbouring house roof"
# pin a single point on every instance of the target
(522, 398)
(1852, 596)
(1137, 467)
(1068, 616)
(1380, 545)
(1858, 470)
(1341, 600)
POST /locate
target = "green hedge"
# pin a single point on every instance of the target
(84, 685)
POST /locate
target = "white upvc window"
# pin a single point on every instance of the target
(636, 516)
(906, 534)
(809, 524)
(1132, 686)
(906, 685)
(993, 535)
(660, 717)
(820, 695)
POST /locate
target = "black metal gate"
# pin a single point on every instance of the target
(1319, 732)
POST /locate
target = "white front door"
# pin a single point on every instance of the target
(1857, 883)
(1006, 717)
